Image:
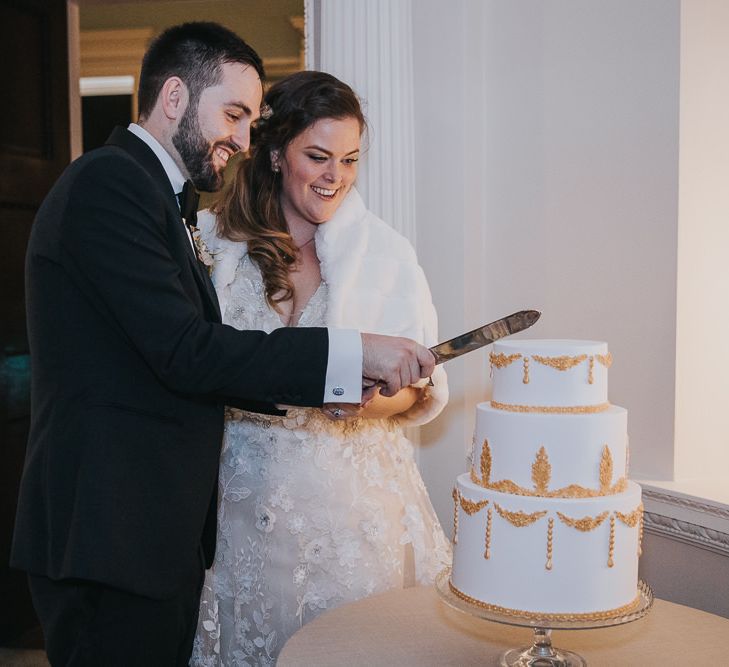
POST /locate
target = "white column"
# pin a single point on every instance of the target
(368, 44)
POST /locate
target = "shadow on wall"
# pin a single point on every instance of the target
(686, 574)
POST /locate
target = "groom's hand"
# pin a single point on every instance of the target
(393, 363)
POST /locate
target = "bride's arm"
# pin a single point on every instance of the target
(379, 407)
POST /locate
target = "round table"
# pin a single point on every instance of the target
(414, 626)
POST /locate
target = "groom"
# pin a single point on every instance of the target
(131, 367)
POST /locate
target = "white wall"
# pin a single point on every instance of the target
(702, 382)
(449, 208)
(547, 176)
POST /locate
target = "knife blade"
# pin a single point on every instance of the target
(473, 340)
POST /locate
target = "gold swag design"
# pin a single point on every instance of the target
(541, 477)
(562, 363)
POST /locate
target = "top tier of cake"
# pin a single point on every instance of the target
(550, 375)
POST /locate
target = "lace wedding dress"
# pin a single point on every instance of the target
(313, 513)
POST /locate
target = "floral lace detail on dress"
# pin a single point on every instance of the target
(313, 513)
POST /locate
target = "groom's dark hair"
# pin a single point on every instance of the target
(195, 53)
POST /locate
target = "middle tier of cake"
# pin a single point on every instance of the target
(551, 455)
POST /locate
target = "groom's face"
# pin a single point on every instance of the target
(210, 133)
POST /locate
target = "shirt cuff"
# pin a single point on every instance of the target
(343, 383)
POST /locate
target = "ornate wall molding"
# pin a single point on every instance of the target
(686, 532)
(691, 520)
(688, 503)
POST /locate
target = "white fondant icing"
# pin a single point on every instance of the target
(573, 443)
(515, 575)
(547, 386)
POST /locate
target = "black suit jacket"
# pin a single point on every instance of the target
(131, 368)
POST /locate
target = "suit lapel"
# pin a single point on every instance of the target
(144, 155)
(205, 285)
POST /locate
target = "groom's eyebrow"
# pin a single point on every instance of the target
(243, 107)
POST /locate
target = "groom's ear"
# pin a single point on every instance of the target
(173, 98)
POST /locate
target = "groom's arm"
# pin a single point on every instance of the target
(343, 382)
(115, 245)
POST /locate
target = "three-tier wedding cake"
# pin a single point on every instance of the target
(546, 523)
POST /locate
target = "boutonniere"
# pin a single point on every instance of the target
(203, 252)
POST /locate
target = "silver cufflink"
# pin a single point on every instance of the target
(338, 391)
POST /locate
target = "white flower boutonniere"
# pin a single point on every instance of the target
(206, 257)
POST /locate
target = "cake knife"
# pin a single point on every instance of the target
(484, 335)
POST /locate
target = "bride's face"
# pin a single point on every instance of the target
(318, 168)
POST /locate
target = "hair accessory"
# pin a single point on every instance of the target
(275, 168)
(266, 111)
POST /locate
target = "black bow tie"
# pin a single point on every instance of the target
(188, 199)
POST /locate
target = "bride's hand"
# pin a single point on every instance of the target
(340, 411)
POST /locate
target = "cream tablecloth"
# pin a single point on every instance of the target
(414, 627)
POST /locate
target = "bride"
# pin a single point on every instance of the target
(317, 507)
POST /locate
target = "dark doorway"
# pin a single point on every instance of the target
(100, 114)
(34, 149)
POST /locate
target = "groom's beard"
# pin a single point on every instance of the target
(197, 153)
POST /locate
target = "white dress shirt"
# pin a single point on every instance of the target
(343, 382)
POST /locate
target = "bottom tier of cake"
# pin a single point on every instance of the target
(535, 555)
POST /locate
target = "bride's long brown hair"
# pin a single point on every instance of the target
(250, 209)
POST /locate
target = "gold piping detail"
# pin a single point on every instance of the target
(605, 359)
(640, 534)
(502, 360)
(519, 519)
(632, 518)
(563, 363)
(550, 534)
(606, 470)
(585, 524)
(611, 546)
(470, 507)
(590, 616)
(551, 409)
(541, 476)
(541, 473)
(485, 462)
(455, 495)
(487, 549)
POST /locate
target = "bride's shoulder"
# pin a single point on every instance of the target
(207, 225)
(226, 253)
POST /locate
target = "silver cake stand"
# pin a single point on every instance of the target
(541, 653)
